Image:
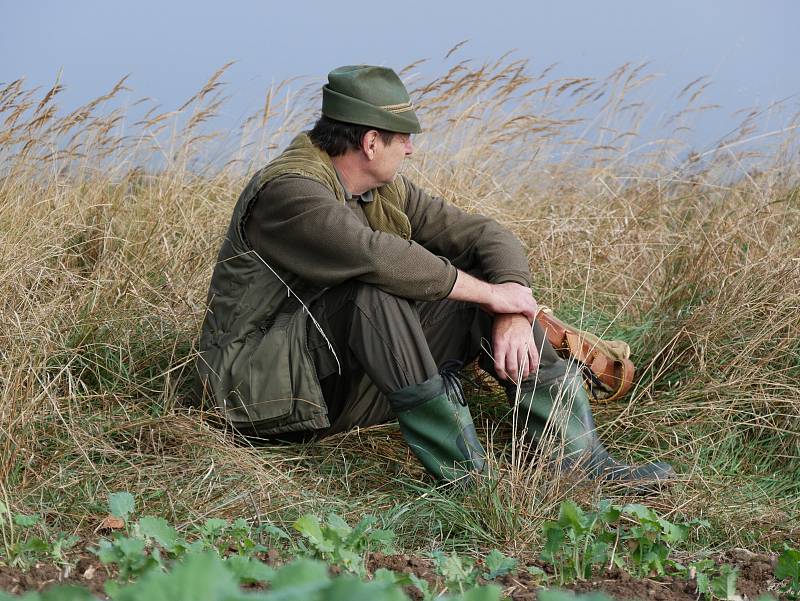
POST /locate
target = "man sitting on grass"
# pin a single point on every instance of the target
(345, 296)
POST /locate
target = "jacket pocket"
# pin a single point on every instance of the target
(261, 377)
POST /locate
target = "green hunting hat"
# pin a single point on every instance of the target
(368, 95)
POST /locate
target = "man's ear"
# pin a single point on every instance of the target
(369, 143)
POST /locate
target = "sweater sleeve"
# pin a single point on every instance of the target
(299, 226)
(472, 242)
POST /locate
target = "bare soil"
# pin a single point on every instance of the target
(81, 570)
(755, 578)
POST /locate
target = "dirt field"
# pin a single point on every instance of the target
(755, 578)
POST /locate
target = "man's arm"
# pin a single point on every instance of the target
(505, 298)
(514, 309)
(472, 242)
(480, 244)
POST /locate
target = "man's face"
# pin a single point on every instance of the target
(389, 157)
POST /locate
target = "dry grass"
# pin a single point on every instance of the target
(111, 221)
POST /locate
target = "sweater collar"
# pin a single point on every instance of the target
(365, 197)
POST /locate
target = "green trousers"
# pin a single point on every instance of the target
(385, 343)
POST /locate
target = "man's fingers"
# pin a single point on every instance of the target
(512, 366)
(533, 359)
(500, 364)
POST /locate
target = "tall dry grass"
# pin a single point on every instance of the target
(110, 225)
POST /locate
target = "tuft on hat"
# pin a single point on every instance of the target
(368, 95)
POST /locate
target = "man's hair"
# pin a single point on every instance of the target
(337, 137)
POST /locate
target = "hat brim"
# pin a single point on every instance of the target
(352, 110)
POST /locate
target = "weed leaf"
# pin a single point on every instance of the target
(213, 528)
(121, 505)
(724, 585)
(312, 574)
(789, 567)
(498, 564)
(458, 573)
(554, 537)
(248, 570)
(607, 513)
(490, 592)
(63, 593)
(350, 587)
(202, 577)
(339, 527)
(673, 533)
(308, 526)
(26, 521)
(159, 530)
(642, 512)
(358, 534)
(570, 515)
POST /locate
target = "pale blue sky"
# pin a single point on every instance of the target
(750, 49)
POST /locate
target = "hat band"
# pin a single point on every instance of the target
(398, 108)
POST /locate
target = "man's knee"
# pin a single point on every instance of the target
(375, 303)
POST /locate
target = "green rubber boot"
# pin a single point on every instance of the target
(558, 407)
(436, 423)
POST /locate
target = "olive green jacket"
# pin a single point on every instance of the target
(253, 361)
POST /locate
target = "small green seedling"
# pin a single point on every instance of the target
(459, 572)
(538, 574)
(579, 540)
(559, 595)
(26, 541)
(649, 539)
(723, 586)
(498, 565)
(788, 569)
(712, 581)
(121, 505)
(339, 544)
(411, 579)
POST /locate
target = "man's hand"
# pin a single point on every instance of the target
(507, 298)
(511, 298)
(515, 354)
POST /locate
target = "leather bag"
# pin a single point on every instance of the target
(607, 369)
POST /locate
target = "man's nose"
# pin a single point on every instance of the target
(409, 147)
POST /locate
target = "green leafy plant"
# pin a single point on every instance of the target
(459, 572)
(237, 537)
(723, 585)
(26, 540)
(649, 539)
(128, 553)
(700, 571)
(788, 568)
(152, 544)
(411, 579)
(121, 505)
(559, 595)
(341, 545)
(579, 540)
(498, 565)
(641, 543)
(713, 581)
(538, 574)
